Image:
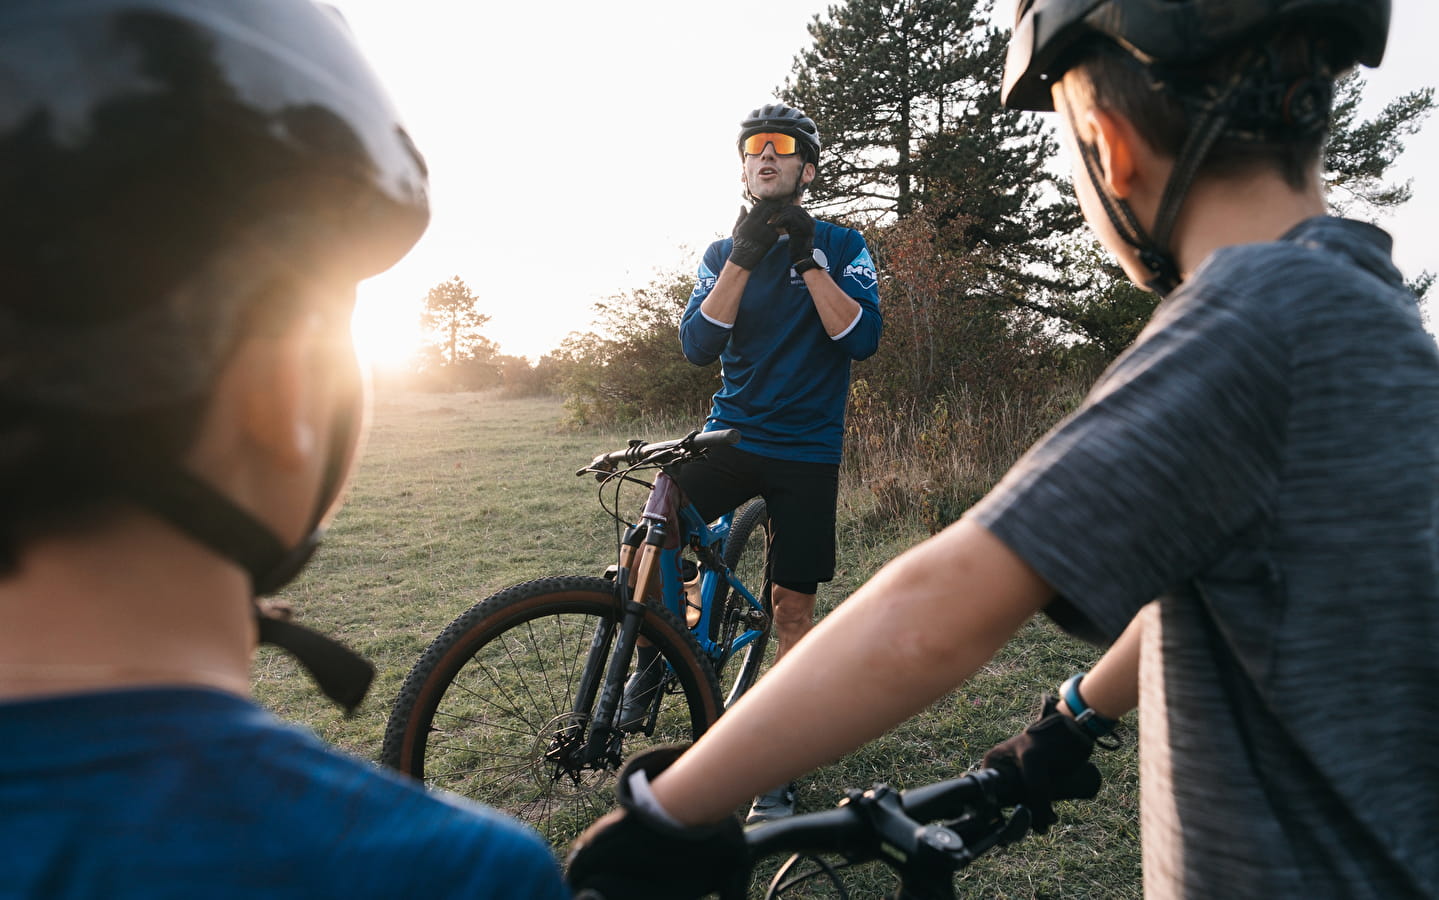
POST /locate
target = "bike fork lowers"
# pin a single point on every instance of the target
(633, 582)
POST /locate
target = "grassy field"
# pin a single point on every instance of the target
(460, 495)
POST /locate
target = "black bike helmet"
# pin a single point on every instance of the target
(1172, 35)
(1173, 32)
(785, 120)
(165, 165)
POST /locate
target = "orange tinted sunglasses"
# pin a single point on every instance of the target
(784, 144)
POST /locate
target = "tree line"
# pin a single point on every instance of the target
(993, 294)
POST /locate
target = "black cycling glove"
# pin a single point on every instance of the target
(799, 225)
(753, 234)
(1047, 761)
(629, 855)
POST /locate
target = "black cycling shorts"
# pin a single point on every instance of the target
(801, 497)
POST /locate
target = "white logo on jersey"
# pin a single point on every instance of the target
(862, 270)
(704, 281)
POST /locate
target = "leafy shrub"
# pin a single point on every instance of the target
(631, 367)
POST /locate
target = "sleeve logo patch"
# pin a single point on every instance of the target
(704, 281)
(861, 270)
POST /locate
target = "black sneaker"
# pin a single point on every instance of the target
(771, 805)
(640, 690)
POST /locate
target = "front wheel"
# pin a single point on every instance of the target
(489, 710)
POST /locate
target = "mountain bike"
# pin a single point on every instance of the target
(517, 703)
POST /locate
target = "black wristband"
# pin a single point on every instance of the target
(806, 264)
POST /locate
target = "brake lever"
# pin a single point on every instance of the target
(980, 834)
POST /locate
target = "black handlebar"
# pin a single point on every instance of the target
(880, 812)
(924, 834)
(639, 451)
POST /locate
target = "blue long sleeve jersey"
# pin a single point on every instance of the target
(785, 381)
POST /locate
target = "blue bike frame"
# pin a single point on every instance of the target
(661, 512)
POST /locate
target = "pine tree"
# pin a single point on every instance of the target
(906, 94)
(1360, 153)
(457, 356)
(453, 317)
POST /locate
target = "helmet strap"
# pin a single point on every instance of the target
(217, 522)
(340, 673)
(1152, 254)
(792, 198)
(1211, 117)
(800, 184)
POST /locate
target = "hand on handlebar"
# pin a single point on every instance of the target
(1045, 762)
(631, 854)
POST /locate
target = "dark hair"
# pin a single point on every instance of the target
(1281, 123)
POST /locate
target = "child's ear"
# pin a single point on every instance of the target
(276, 395)
(1119, 147)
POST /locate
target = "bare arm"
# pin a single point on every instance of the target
(1112, 687)
(837, 310)
(722, 304)
(923, 624)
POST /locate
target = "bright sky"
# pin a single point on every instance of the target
(578, 148)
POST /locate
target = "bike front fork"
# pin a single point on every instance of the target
(611, 653)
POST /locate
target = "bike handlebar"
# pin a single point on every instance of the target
(639, 451)
(889, 825)
(862, 816)
(898, 817)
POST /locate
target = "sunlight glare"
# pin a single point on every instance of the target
(386, 331)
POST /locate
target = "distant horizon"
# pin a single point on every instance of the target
(569, 202)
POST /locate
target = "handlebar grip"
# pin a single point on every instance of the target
(1080, 784)
(1008, 783)
(637, 449)
(725, 437)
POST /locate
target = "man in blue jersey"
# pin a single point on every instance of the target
(1246, 506)
(191, 190)
(785, 304)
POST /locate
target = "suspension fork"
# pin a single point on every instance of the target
(636, 583)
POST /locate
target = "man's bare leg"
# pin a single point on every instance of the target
(793, 618)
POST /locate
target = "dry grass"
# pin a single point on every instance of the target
(461, 495)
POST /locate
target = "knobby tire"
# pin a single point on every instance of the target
(484, 702)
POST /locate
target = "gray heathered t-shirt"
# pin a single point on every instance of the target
(1265, 462)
